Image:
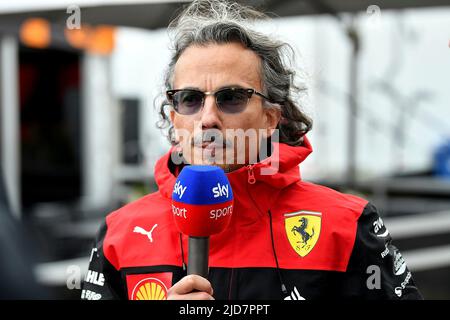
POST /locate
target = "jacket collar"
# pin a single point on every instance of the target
(284, 157)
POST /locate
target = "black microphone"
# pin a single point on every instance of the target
(202, 205)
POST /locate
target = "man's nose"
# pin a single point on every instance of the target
(210, 114)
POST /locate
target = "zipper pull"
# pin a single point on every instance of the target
(251, 176)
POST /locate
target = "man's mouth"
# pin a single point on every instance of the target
(212, 145)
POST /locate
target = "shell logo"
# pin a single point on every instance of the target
(149, 289)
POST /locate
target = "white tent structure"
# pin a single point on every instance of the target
(147, 14)
(98, 101)
(152, 14)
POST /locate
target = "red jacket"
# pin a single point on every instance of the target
(287, 238)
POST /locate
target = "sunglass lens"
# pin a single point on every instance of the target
(232, 101)
(187, 101)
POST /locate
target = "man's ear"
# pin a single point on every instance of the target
(171, 114)
(272, 116)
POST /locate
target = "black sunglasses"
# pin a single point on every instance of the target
(228, 100)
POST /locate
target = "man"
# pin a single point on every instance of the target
(287, 239)
(17, 256)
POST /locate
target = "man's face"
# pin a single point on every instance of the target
(208, 69)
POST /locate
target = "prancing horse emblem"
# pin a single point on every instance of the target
(303, 230)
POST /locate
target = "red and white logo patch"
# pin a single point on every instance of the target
(150, 286)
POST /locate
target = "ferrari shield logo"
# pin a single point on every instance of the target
(303, 230)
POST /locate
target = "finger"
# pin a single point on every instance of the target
(191, 296)
(192, 282)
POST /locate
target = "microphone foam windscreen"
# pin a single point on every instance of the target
(202, 201)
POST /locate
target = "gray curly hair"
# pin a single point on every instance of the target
(213, 21)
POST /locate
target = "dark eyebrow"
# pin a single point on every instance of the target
(220, 88)
(230, 86)
(190, 88)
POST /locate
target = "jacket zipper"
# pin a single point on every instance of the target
(251, 180)
(251, 177)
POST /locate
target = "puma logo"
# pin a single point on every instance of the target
(145, 233)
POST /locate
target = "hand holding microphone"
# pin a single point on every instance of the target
(202, 205)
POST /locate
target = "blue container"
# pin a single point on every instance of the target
(442, 161)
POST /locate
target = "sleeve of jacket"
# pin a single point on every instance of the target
(376, 268)
(102, 281)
